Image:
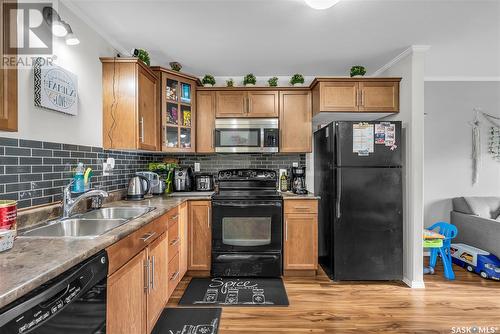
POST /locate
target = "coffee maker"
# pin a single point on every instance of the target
(299, 180)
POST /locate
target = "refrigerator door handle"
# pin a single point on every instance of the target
(338, 157)
(339, 192)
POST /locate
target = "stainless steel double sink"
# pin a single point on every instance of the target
(90, 224)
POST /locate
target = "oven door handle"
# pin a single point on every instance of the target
(231, 257)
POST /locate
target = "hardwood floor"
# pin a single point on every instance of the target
(318, 305)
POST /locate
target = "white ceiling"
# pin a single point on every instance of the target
(281, 37)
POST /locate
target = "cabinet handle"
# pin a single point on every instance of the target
(152, 272)
(141, 122)
(146, 274)
(357, 97)
(249, 106)
(363, 97)
(147, 236)
(208, 213)
(175, 242)
(174, 276)
(301, 207)
(174, 217)
(286, 230)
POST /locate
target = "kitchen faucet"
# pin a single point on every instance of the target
(70, 203)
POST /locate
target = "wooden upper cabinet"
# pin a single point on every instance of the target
(231, 103)
(205, 123)
(8, 77)
(148, 118)
(158, 284)
(379, 96)
(177, 110)
(338, 96)
(355, 95)
(200, 235)
(295, 121)
(130, 115)
(126, 298)
(243, 103)
(262, 104)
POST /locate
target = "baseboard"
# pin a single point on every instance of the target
(299, 273)
(414, 284)
(427, 253)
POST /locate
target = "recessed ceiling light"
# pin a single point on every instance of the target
(321, 4)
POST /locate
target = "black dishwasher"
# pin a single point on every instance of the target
(73, 302)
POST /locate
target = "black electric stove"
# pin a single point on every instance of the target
(247, 224)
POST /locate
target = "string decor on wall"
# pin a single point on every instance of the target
(493, 143)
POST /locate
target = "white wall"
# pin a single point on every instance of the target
(448, 144)
(410, 66)
(83, 60)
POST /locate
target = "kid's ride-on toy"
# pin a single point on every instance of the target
(476, 260)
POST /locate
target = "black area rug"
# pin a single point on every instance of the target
(188, 321)
(235, 292)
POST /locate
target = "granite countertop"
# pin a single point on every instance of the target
(290, 195)
(35, 260)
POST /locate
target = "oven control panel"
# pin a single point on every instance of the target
(247, 174)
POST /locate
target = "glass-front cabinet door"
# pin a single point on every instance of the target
(177, 112)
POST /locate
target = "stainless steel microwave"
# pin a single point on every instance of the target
(246, 135)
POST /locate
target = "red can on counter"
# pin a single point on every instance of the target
(8, 226)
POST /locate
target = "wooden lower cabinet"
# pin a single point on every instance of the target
(200, 235)
(183, 235)
(301, 236)
(157, 295)
(126, 298)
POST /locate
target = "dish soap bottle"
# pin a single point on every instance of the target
(283, 182)
(78, 179)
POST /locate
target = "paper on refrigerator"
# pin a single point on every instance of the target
(362, 138)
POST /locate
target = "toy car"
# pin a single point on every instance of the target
(476, 260)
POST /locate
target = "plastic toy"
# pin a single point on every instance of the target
(476, 260)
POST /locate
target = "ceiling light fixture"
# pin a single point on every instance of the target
(71, 38)
(321, 4)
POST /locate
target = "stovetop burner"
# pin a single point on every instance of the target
(247, 184)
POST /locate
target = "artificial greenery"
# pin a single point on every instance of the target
(175, 65)
(143, 55)
(273, 82)
(297, 79)
(230, 83)
(208, 79)
(249, 79)
(357, 70)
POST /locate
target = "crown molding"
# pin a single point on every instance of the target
(94, 26)
(462, 78)
(410, 50)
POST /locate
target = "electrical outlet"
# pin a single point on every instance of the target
(295, 164)
(196, 167)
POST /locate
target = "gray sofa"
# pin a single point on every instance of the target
(478, 222)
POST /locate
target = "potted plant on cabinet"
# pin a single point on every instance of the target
(249, 80)
(230, 83)
(142, 55)
(208, 80)
(273, 82)
(175, 65)
(357, 71)
(297, 79)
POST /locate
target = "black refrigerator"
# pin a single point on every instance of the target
(358, 175)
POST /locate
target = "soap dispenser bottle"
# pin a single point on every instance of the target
(78, 179)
